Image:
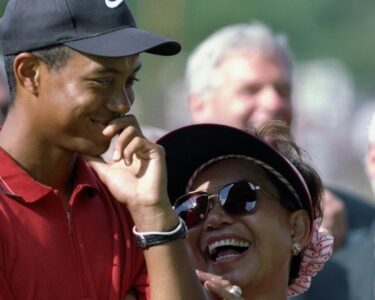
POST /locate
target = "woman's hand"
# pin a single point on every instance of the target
(219, 286)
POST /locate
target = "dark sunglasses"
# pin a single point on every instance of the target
(236, 198)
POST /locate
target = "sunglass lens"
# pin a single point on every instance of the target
(238, 197)
(192, 209)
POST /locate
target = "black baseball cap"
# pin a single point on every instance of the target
(189, 147)
(98, 27)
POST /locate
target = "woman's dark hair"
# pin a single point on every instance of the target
(55, 57)
(277, 135)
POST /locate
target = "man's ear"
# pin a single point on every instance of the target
(300, 225)
(200, 110)
(27, 69)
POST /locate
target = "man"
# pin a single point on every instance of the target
(242, 76)
(258, 86)
(71, 67)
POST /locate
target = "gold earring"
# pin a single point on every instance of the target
(296, 248)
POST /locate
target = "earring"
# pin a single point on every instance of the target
(296, 248)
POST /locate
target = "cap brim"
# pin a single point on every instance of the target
(124, 42)
(187, 148)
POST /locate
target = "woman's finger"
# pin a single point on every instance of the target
(204, 276)
(216, 279)
(226, 293)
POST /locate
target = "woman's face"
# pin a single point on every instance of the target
(251, 249)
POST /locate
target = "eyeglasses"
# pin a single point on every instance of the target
(236, 198)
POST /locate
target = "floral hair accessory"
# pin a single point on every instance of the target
(314, 256)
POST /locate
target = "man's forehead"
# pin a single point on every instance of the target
(109, 64)
(250, 64)
(253, 55)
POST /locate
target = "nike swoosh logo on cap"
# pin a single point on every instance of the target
(113, 3)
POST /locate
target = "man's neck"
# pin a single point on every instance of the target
(44, 161)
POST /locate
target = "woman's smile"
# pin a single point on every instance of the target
(224, 250)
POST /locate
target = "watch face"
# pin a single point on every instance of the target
(141, 241)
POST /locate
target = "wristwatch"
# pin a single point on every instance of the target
(151, 238)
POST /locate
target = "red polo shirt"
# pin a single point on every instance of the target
(51, 251)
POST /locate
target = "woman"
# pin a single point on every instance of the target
(251, 207)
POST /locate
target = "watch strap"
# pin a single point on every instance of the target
(153, 238)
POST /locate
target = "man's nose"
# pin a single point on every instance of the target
(121, 103)
(271, 98)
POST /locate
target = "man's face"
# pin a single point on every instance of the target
(253, 88)
(79, 100)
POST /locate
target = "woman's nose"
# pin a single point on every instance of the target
(217, 216)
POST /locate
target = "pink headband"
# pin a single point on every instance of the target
(314, 256)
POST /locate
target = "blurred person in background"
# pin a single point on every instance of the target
(324, 89)
(242, 76)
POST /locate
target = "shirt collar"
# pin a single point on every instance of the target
(17, 183)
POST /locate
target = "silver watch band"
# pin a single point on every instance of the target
(152, 238)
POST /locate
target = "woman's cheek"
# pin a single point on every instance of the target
(194, 250)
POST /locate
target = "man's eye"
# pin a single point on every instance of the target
(105, 81)
(284, 90)
(131, 81)
(251, 89)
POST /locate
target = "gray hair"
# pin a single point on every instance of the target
(201, 76)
